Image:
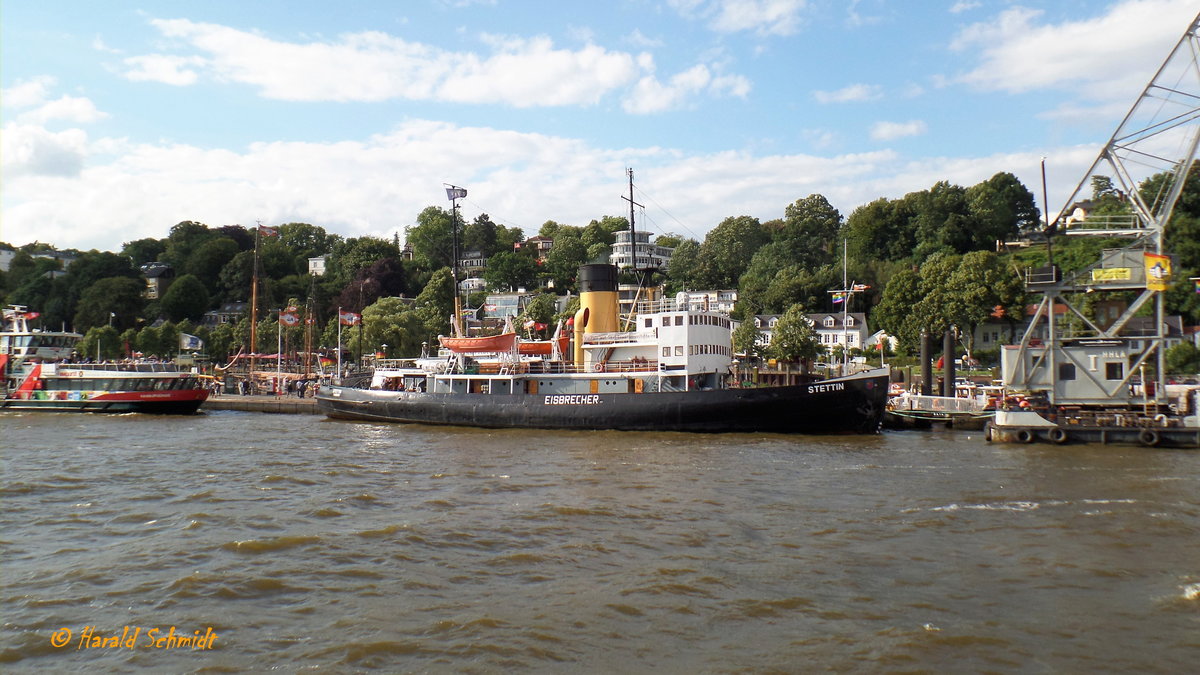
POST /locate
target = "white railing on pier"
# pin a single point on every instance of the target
(938, 404)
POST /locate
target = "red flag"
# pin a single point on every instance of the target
(349, 318)
(289, 319)
(268, 231)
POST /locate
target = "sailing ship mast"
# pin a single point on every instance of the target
(254, 303)
(633, 257)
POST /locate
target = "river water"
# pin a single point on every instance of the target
(296, 543)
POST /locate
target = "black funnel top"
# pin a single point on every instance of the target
(599, 278)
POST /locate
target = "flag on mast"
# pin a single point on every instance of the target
(453, 193)
(349, 318)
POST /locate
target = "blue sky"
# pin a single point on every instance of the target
(120, 119)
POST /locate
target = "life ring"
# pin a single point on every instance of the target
(1057, 435)
(1149, 438)
(1024, 436)
(599, 368)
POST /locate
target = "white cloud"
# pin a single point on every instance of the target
(373, 66)
(33, 97)
(889, 131)
(379, 184)
(99, 45)
(27, 93)
(853, 93)
(1099, 58)
(174, 70)
(31, 150)
(650, 95)
(639, 39)
(69, 108)
(964, 6)
(764, 17)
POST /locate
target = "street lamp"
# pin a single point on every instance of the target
(384, 345)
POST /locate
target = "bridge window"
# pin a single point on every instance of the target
(1114, 370)
(1066, 371)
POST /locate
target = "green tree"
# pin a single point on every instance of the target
(104, 340)
(117, 301)
(813, 224)
(881, 230)
(507, 271)
(942, 222)
(980, 284)
(394, 322)
(893, 313)
(184, 238)
(220, 342)
(354, 255)
(142, 251)
(150, 343)
(1000, 209)
(432, 238)
(596, 233)
(681, 271)
(209, 258)
(435, 304)
(1183, 359)
(541, 309)
(565, 257)
(728, 249)
(793, 338)
(747, 339)
(480, 235)
(233, 282)
(185, 299)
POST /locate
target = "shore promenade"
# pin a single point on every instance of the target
(262, 403)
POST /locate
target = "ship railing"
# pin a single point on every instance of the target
(695, 303)
(618, 337)
(124, 367)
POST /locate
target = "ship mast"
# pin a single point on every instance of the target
(633, 249)
(254, 303)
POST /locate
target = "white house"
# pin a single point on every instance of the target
(635, 250)
(316, 266)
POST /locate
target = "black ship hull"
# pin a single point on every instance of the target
(843, 405)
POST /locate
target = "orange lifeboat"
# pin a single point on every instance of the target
(470, 345)
(543, 347)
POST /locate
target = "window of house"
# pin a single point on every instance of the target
(828, 322)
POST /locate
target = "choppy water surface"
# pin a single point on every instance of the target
(309, 544)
